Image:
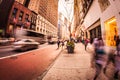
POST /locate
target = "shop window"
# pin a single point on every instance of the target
(111, 31)
(96, 32)
(91, 34)
(99, 31)
(10, 29)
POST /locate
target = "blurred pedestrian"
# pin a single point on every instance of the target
(117, 43)
(62, 44)
(117, 59)
(95, 44)
(86, 42)
(90, 48)
(100, 57)
(58, 44)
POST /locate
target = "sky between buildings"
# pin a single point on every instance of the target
(66, 7)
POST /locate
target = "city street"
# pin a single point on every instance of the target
(27, 65)
(59, 40)
(9, 50)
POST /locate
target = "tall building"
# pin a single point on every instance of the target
(24, 2)
(46, 8)
(52, 11)
(34, 5)
(47, 16)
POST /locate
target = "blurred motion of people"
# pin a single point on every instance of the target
(117, 59)
(86, 42)
(100, 57)
(62, 44)
(117, 43)
(58, 44)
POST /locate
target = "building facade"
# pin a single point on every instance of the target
(43, 26)
(81, 8)
(36, 15)
(19, 17)
(33, 20)
(102, 20)
(63, 27)
(47, 17)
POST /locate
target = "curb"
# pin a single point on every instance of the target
(45, 72)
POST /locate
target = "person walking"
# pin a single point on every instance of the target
(86, 42)
(62, 44)
(58, 44)
(100, 57)
(117, 59)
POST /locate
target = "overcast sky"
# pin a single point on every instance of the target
(66, 8)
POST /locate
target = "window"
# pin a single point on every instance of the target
(14, 13)
(26, 17)
(99, 31)
(26, 3)
(103, 4)
(21, 15)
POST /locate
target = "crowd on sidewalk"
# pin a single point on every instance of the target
(104, 60)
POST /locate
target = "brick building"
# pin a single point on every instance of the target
(46, 8)
(19, 17)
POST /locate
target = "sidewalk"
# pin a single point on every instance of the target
(74, 66)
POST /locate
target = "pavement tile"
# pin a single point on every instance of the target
(76, 66)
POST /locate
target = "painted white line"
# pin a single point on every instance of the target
(18, 54)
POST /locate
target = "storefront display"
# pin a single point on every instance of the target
(111, 31)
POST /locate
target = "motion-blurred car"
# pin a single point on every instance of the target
(25, 44)
(4, 41)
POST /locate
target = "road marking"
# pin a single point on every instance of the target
(15, 55)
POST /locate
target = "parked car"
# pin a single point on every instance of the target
(25, 44)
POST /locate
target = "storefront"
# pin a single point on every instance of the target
(94, 31)
(1, 33)
(111, 31)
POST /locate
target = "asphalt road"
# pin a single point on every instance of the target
(27, 65)
(9, 51)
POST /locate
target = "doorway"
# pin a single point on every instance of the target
(111, 31)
